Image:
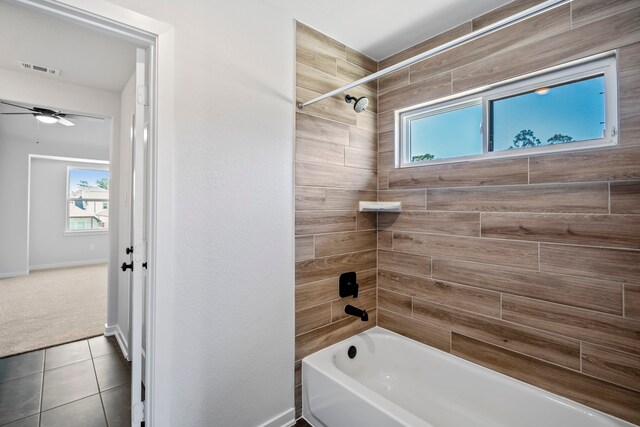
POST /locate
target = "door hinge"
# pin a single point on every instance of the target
(137, 412)
(142, 95)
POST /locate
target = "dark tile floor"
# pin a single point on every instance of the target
(84, 383)
(301, 422)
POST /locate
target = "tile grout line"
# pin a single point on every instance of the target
(44, 359)
(95, 373)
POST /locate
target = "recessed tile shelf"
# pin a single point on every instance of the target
(380, 206)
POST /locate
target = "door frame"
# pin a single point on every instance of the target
(157, 36)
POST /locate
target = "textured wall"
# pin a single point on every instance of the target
(335, 167)
(530, 265)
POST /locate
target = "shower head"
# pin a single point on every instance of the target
(360, 103)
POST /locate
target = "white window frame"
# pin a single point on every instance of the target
(69, 232)
(602, 64)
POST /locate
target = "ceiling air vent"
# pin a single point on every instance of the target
(39, 68)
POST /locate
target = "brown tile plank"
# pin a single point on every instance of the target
(416, 265)
(313, 317)
(584, 292)
(386, 160)
(433, 87)
(366, 301)
(611, 365)
(323, 268)
(628, 94)
(387, 142)
(588, 165)
(550, 347)
(412, 200)
(621, 231)
(314, 222)
(310, 198)
(454, 223)
(503, 12)
(330, 334)
(367, 221)
(598, 328)
(368, 119)
(463, 297)
(363, 159)
(425, 333)
(386, 121)
(363, 138)
(317, 129)
(330, 109)
(383, 180)
(326, 290)
(599, 263)
(352, 72)
(361, 60)
(392, 81)
(491, 251)
(297, 369)
(625, 197)
(314, 40)
(570, 198)
(319, 152)
(341, 243)
(385, 240)
(587, 11)
(632, 301)
(304, 248)
(592, 392)
(394, 302)
(319, 60)
(317, 175)
(347, 199)
(490, 172)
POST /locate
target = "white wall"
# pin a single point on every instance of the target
(49, 246)
(232, 345)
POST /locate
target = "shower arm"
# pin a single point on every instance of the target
(513, 19)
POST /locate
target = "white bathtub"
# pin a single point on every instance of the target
(394, 381)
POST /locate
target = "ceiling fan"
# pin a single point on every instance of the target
(45, 115)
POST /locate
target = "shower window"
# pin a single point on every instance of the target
(565, 108)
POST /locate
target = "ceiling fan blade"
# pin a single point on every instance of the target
(65, 122)
(17, 114)
(16, 105)
(81, 115)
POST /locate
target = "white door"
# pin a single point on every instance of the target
(138, 227)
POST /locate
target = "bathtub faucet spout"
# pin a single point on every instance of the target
(354, 311)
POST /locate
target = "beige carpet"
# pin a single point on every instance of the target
(50, 307)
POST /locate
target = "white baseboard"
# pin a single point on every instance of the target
(286, 419)
(114, 330)
(14, 274)
(68, 264)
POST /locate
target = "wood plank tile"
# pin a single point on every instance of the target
(368, 119)
(584, 292)
(611, 365)
(310, 198)
(392, 81)
(491, 251)
(628, 94)
(330, 109)
(312, 318)
(490, 172)
(341, 243)
(317, 175)
(463, 297)
(430, 88)
(314, 40)
(330, 334)
(424, 46)
(592, 392)
(609, 164)
(319, 152)
(503, 12)
(415, 330)
(621, 231)
(383, 180)
(632, 301)
(415, 265)
(367, 221)
(386, 160)
(598, 328)
(297, 369)
(549, 347)
(316, 59)
(321, 130)
(361, 60)
(599, 36)
(387, 142)
(351, 72)
(347, 199)
(625, 197)
(599, 263)
(592, 197)
(304, 248)
(297, 400)
(386, 121)
(394, 302)
(529, 31)
(412, 200)
(363, 159)
(366, 301)
(324, 268)
(454, 223)
(385, 240)
(314, 222)
(363, 138)
(586, 11)
(326, 290)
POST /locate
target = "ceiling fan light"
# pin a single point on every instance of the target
(46, 119)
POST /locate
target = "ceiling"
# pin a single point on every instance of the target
(381, 28)
(85, 57)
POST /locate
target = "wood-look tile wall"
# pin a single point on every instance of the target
(336, 164)
(531, 265)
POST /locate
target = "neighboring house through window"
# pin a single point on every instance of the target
(87, 199)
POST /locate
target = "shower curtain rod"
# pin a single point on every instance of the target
(513, 19)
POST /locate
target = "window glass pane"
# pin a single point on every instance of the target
(89, 184)
(88, 216)
(452, 133)
(550, 115)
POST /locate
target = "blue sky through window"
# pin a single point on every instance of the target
(89, 175)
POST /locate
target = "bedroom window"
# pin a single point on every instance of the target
(87, 200)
